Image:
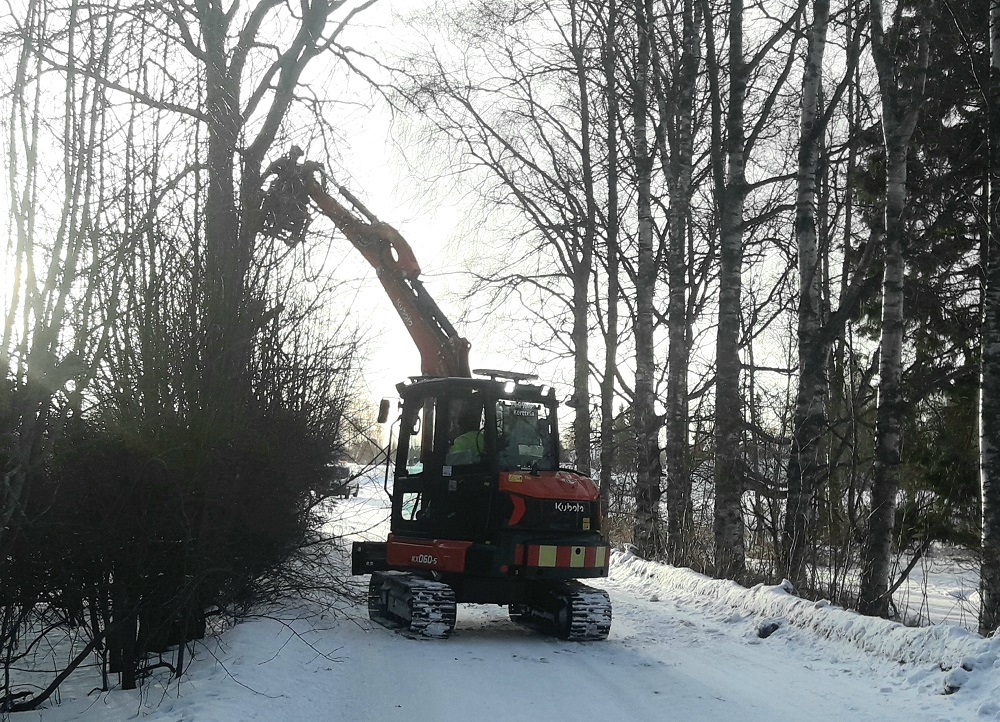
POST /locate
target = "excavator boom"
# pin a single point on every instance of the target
(443, 352)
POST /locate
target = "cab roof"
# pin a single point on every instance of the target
(499, 387)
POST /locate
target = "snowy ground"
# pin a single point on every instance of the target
(944, 587)
(682, 647)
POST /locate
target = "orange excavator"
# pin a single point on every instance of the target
(482, 511)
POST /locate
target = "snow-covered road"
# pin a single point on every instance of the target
(681, 648)
(662, 662)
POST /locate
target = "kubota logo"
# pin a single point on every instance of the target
(423, 559)
(571, 506)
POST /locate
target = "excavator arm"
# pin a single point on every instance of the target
(285, 215)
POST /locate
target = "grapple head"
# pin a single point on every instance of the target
(284, 209)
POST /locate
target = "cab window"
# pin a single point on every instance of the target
(525, 436)
(466, 435)
(416, 443)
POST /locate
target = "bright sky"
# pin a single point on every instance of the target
(429, 218)
(6, 279)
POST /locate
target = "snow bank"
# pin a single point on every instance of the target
(946, 645)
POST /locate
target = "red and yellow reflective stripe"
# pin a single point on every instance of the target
(566, 557)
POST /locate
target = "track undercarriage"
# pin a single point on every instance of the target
(426, 608)
(568, 610)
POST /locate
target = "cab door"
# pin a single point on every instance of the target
(446, 488)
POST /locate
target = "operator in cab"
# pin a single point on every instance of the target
(467, 448)
(468, 444)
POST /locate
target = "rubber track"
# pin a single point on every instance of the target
(590, 613)
(433, 608)
(569, 610)
(430, 606)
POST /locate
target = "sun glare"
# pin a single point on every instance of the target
(6, 282)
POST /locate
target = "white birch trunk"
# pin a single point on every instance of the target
(611, 314)
(647, 491)
(899, 117)
(989, 403)
(584, 261)
(730, 559)
(678, 355)
(807, 464)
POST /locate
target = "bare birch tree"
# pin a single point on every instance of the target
(582, 26)
(143, 303)
(819, 326)
(735, 139)
(517, 100)
(811, 400)
(989, 401)
(609, 57)
(901, 86)
(678, 117)
(647, 426)
(732, 191)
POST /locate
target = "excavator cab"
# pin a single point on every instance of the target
(457, 437)
(483, 513)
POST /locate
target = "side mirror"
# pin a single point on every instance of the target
(383, 411)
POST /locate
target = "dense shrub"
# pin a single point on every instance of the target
(138, 530)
